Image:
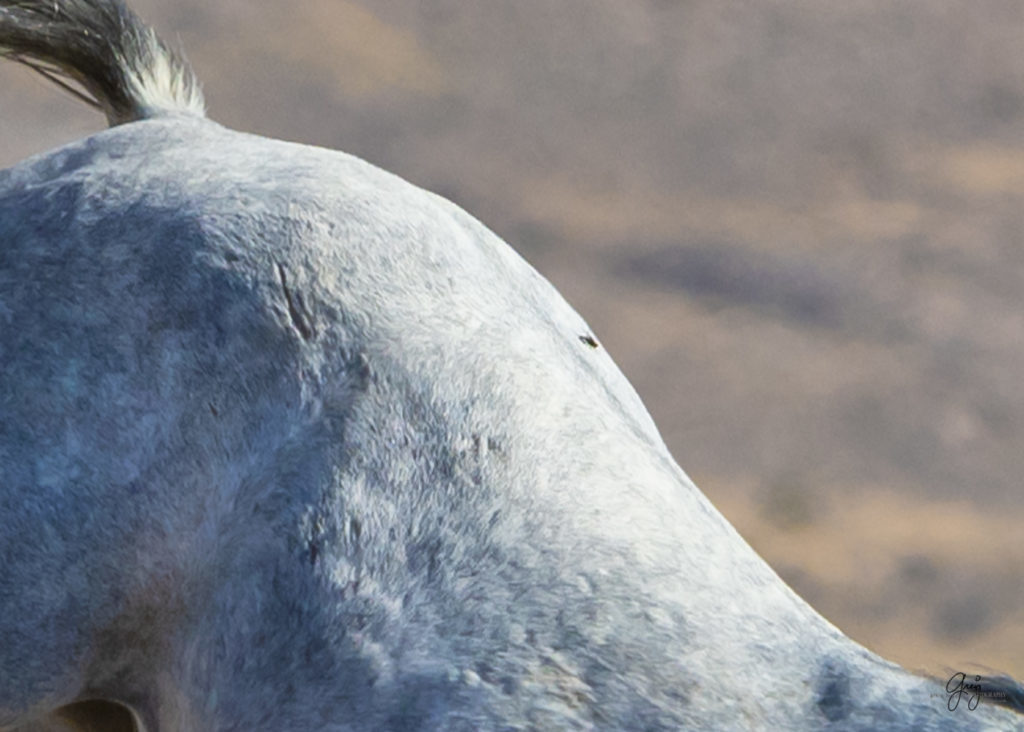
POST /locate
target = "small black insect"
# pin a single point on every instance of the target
(589, 340)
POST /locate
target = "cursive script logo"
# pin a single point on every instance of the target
(957, 686)
(992, 688)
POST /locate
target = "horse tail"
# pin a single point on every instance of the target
(101, 52)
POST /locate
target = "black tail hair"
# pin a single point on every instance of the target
(121, 65)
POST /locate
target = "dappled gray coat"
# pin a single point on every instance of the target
(287, 443)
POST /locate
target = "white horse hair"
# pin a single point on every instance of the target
(287, 443)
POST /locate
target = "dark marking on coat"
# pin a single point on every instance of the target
(833, 690)
(296, 308)
(356, 529)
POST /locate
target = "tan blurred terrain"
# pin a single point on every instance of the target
(797, 226)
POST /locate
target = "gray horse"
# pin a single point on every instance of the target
(287, 443)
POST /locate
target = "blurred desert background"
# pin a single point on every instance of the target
(797, 226)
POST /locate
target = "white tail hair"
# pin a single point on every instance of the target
(125, 70)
